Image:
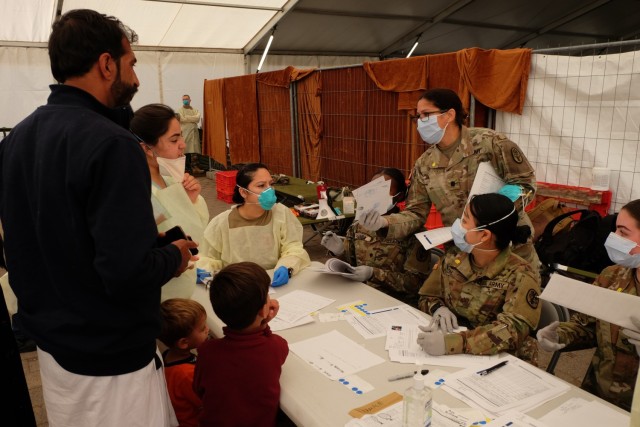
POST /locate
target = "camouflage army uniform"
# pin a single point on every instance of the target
(447, 182)
(615, 362)
(399, 266)
(499, 303)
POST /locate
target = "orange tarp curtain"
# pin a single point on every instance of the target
(496, 78)
(242, 118)
(283, 78)
(399, 75)
(310, 125)
(214, 142)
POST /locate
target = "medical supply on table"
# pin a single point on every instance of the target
(408, 375)
(349, 205)
(321, 190)
(417, 404)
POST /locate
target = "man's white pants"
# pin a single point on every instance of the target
(136, 399)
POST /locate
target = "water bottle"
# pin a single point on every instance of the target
(417, 404)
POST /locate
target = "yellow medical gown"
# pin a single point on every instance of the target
(173, 206)
(271, 241)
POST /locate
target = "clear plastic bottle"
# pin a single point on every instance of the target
(417, 404)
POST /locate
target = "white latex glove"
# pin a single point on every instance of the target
(333, 243)
(634, 336)
(431, 342)
(548, 338)
(445, 320)
(372, 220)
(361, 273)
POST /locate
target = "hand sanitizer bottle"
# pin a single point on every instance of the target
(417, 404)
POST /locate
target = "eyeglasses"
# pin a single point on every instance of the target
(424, 116)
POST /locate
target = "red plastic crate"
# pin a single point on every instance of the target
(226, 181)
(225, 197)
(596, 200)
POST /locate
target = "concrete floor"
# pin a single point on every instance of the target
(571, 367)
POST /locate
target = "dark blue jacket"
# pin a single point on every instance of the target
(80, 236)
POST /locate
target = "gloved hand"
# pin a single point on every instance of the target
(634, 336)
(361, 273)
(511, 191)
(431, 342)
(548, 338)
(445, 320)
(280, 276)
(372, 220)
(333, 243)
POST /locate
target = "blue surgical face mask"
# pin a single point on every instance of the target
(618, 249)
(267, 199)
(185, 102)
(430, 130)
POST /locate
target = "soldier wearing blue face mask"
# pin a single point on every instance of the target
(615, 362)
(257, 229)
(444, 174)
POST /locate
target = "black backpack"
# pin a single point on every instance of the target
(580, 245)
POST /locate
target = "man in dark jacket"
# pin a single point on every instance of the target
(80, 236)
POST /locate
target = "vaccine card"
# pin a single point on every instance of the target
(356, 384)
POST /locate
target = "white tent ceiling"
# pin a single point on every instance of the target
(378, 28)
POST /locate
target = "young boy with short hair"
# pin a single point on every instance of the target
(184, 328)
(238, 376)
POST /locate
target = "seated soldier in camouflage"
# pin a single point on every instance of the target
(397, 267)
(614, 366)
(483, 286)
(444, 173)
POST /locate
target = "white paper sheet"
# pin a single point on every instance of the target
(515, 386)
(335, 355)
(516, 419)
(435, 237)
(444, 416)
(298, 304)
(601, 303)
(403, 348)
(373, 196)
(377, 322)
(277, 324)
(578, 412)
(333, 266)
(486, 180)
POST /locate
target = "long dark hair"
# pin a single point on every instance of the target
(487, 208)
(633, 208)
(152, 121)
(244, 178)
(444, 100)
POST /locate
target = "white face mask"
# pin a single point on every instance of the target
(618, 249)
(430, 131)
(172, 167)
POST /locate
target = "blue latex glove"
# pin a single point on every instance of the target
(511, 191)
(280, 276)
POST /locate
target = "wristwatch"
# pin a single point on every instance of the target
(290, 270)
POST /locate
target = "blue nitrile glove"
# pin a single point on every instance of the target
(201, 275)
(280, 276)
(511, 191)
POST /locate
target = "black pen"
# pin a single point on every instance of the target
(408, 375)
(491, 369)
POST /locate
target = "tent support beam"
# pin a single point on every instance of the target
(248, 48)
(236, 6)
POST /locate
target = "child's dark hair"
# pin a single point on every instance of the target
(179, 316)
(244, 178)
(238, 292)
(444, 100)
(487, 208)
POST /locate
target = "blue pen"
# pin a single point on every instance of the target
(425, 236)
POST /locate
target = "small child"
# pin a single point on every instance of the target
(184, 328)
(238, 376)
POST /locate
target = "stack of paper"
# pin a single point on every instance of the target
(403, 348)
(373, 196)
(515, 386)
(296, 308)
(333, 266)
(375, 323)
(583, 413)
